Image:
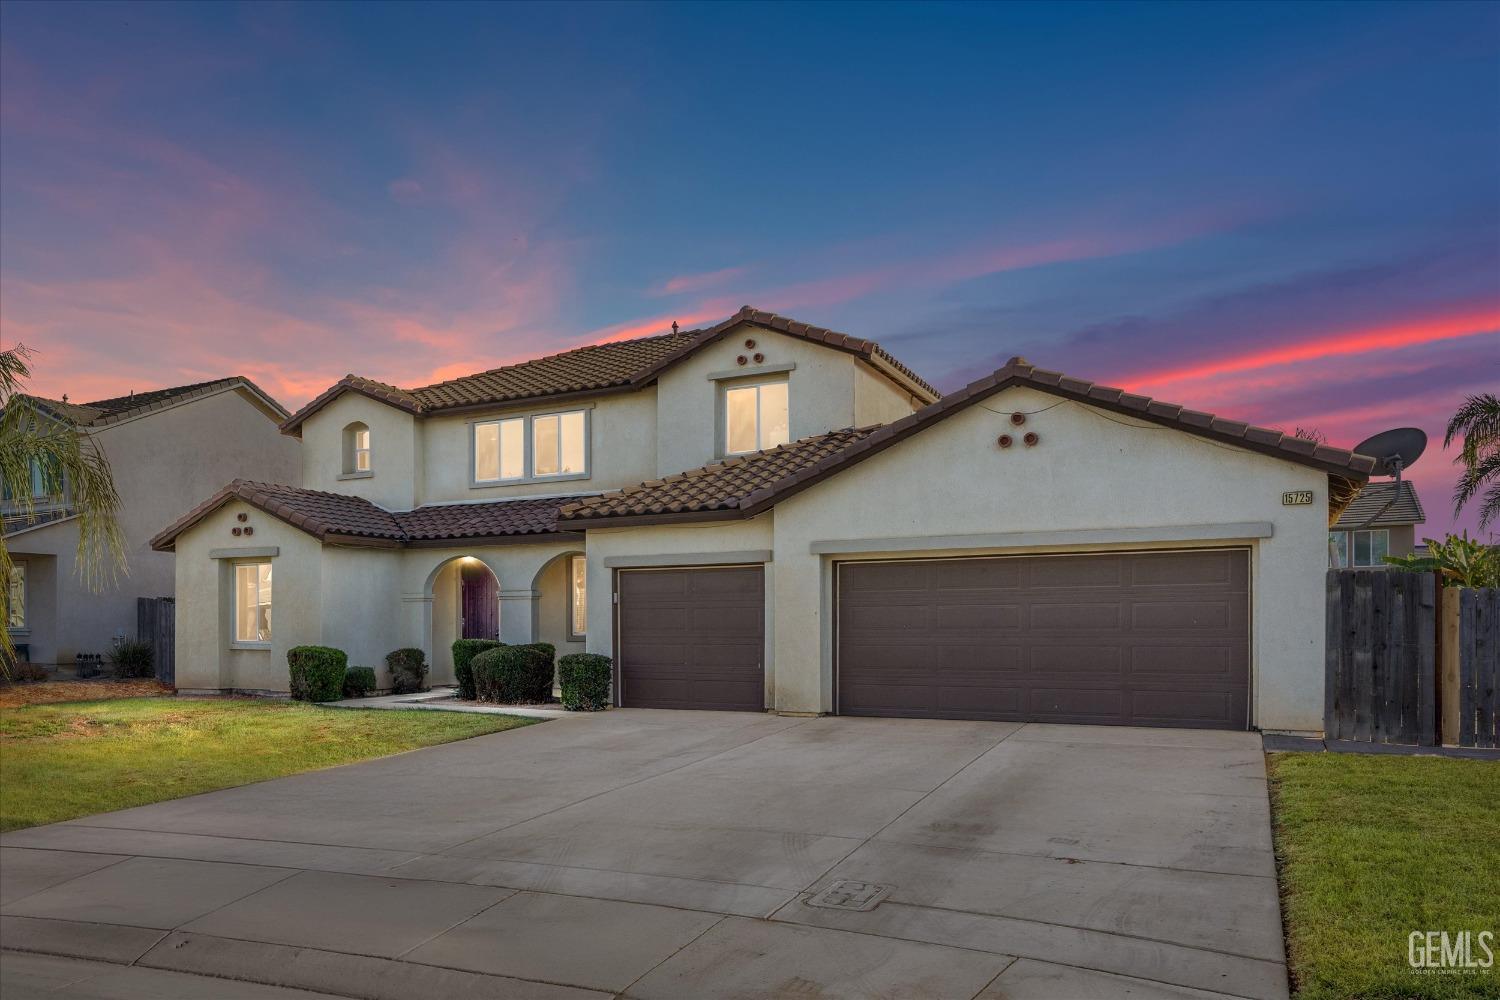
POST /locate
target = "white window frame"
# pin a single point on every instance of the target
(352, 452)
(1350, 560)
(17, 576)
(528, 445)
(235, 609)
(577, 601)
(758, 386)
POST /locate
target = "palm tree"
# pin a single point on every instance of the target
(41, 452)
(1478, 423)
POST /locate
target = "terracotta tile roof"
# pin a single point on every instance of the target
(107, 411)
(340, 518)
(620, 366)
(718, 487)
(727, 490)
(1386, 504)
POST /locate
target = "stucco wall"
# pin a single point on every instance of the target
(1091, 470)
(206, 659)
(820, 395)
(163, 464)
(622, 443)
(395, 451)
(878, 400)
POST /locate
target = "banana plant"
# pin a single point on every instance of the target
(1459, 559)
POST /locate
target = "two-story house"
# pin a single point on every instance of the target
(166, 448)
(769, 515)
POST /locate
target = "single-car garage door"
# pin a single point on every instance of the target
(1142, 639)
(693, 638)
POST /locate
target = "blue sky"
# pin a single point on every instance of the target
(1287, 213)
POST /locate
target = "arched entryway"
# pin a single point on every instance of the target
(463, 594)
(562, 601)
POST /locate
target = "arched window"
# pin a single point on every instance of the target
(357, 450)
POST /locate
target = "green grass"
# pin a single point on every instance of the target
(62, 761)
(1372, 848)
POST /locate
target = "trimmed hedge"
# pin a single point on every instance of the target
(513, 675)
(585, 679)
(464, 651)
(317, 672)
(408, 669)
(359, 681)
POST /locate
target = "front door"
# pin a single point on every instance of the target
(481, 602)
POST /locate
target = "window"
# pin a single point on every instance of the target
(357, 450)
(557, 444)
(755, 417)
(1361, 549)
(252, 602)
(578, 608)
(15, 601)
(558, 447)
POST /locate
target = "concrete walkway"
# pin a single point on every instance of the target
(679, 854)
(441, 699)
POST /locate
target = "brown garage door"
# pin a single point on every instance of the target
(1143, 639)
(693, 638)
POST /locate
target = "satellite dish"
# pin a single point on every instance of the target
(1394, 450)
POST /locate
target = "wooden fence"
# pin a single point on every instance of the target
(1381, 657)
(1478, 697)
(156, 623)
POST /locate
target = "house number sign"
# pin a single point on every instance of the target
(1293, 498)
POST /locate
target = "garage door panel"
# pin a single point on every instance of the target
(692, 638)
(1077, 617)
(1118, 638)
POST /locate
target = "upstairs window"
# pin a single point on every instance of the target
(524, 449)
(357, 450)
(1360, 549)
(500, 450)
(755, 417)
(557, 444)
(252, 603)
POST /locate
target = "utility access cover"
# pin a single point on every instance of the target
(847, 894)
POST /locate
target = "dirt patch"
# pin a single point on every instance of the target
(47, 692)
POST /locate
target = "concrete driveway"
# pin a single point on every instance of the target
(680, 854)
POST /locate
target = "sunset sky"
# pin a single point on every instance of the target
(1286, 214)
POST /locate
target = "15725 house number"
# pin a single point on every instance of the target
(1294, 497)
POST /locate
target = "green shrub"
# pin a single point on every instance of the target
(359, 681)
(408, 669)
(585, 679)
(513, 675)
(317, 672)
(464, 651)
(133, 659)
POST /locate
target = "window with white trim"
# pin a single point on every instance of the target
(252, 603)
(357, 449)
(524, 449)
(755, 417)
(1359, 549)
(15, 598)
(578, 606)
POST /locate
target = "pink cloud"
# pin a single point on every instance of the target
(685, 283)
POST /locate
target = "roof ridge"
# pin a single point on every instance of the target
(555, 355)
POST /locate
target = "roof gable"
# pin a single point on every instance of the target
(103, 412)
(1345, 468)
(598, 368)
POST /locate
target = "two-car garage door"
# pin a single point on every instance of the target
(1145, 639)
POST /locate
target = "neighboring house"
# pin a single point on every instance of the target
(1382, 521)
(166, 449)
(1031, 547)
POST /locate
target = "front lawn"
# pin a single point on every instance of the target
(1371, 848)
(62, 761)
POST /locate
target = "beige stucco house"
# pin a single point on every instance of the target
(166, 449)
(766, 515)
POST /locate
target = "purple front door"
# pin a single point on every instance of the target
(481, 603)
